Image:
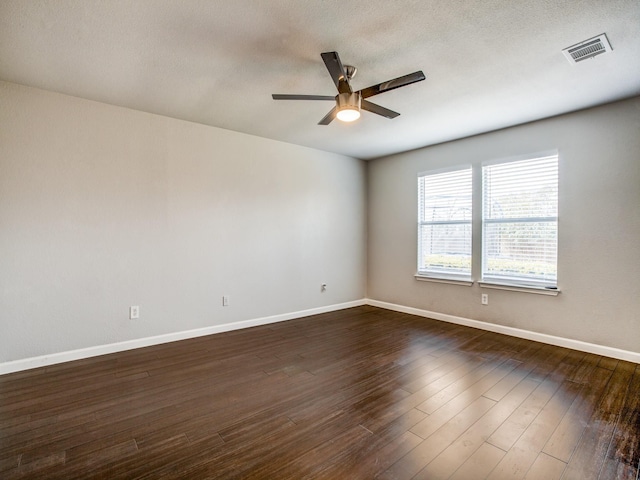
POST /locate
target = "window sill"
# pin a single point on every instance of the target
(449, 280)
(521, 288)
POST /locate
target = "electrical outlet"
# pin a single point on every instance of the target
(134, 312)
(485, 299)
(225, 300)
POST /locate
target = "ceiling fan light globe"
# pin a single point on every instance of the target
(348, 114)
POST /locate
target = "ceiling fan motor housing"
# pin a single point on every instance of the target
(348, 106)
(348, 101)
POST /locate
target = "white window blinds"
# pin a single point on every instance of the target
(444, 224)
(520, 222)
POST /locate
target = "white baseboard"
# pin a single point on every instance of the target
(45, 360)
(515, 332)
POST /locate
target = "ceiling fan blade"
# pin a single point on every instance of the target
(373, 108)
(392, 84)
(329, 117)
(336, 70)
(284, 96)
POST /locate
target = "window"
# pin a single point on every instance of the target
(520, 222)
(444, 224)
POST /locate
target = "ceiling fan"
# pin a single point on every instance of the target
(348, 102)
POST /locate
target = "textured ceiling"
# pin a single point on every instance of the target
(489, 64)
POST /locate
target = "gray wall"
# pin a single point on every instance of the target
(103, 207)
(599, 228)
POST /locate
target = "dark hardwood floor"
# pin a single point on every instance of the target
(361, 393)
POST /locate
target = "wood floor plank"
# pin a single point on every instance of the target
(546, 467)
(378, 417)
(377, 453)
(513, 378)
(480, 463)
(443, 414)
(478, 381)
(588, 459)
(584, 369)
(314, 461)
(445, 464)
(359, 393)
(590, 454)
(413, 462)
(608, 363)
(36, 468)
(527, 448)
(261, 461)
(9, 463)
(519, 421)
(623, 457)
(449, 364)
(565, 438)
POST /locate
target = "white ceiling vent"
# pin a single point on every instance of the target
(587, 49)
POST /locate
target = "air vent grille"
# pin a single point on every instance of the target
(587, 49)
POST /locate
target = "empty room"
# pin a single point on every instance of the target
(319, 239)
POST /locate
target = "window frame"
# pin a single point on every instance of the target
(524, 282)
(544, 287)
(438, 275)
